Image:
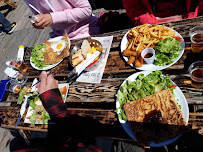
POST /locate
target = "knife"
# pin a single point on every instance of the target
(22, 109)
(79, 68)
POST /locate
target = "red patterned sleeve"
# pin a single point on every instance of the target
(70, 130)
(53, 103)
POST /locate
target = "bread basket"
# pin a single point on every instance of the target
(94, 43)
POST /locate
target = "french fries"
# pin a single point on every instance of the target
(144, 36)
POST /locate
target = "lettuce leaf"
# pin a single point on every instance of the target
(166, 51)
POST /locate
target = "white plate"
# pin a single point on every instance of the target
(152, 67)
(29, 111)
(180, 98)
(52, 65)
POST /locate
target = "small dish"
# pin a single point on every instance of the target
(148, 54)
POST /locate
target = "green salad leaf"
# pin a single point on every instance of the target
(166, 51)
(32, 118)
(143, 86)
(38, 55)
(20, 97)
(38, 110)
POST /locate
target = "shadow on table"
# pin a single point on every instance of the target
(192, 57)
(188, 142)
(85, 129)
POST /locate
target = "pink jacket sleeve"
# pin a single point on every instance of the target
(138, 12)
(81, 10)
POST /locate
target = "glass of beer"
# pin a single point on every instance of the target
(196, 72)
(196, 37)
(21, 66)
(13, 86)
(17, 64)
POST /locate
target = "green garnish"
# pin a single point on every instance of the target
(20, 97)
(38, 55)
(166, 51)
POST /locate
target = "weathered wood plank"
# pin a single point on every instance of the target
(106, 91)
(104, 117)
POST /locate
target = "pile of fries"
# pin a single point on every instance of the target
(144, 36)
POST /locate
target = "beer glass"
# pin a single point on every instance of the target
(17, 64)
(13, 86)
(196, 73)
(196, 37)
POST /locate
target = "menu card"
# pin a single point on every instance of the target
(94, 73)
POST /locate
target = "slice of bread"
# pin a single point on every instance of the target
(78, 59)
(76, 54)
(86, 48)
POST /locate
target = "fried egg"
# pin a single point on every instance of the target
(59, 46)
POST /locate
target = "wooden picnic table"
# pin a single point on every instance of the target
(98, 100)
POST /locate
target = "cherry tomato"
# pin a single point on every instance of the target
(45, 42)
(178, 38)
(173, 86)
(64, 90)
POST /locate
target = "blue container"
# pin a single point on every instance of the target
(3, 92)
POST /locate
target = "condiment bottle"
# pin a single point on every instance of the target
(20, 53)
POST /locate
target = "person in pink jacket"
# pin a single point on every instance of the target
(160, 11)
(73, 17)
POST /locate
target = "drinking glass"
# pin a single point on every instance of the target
(18, 65)
(196, 37)
(13, 86)
(196, 73)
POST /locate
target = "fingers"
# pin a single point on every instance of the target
(43, 78)
(51, 82)
(57, 83)
(37, 21)
(38, 18)
(47, 82)
(35, 25)
(37, 85)
(43, 20)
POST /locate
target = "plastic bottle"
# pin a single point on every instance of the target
(20, 53)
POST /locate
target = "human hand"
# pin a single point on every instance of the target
(47, 82)
(42, 20)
